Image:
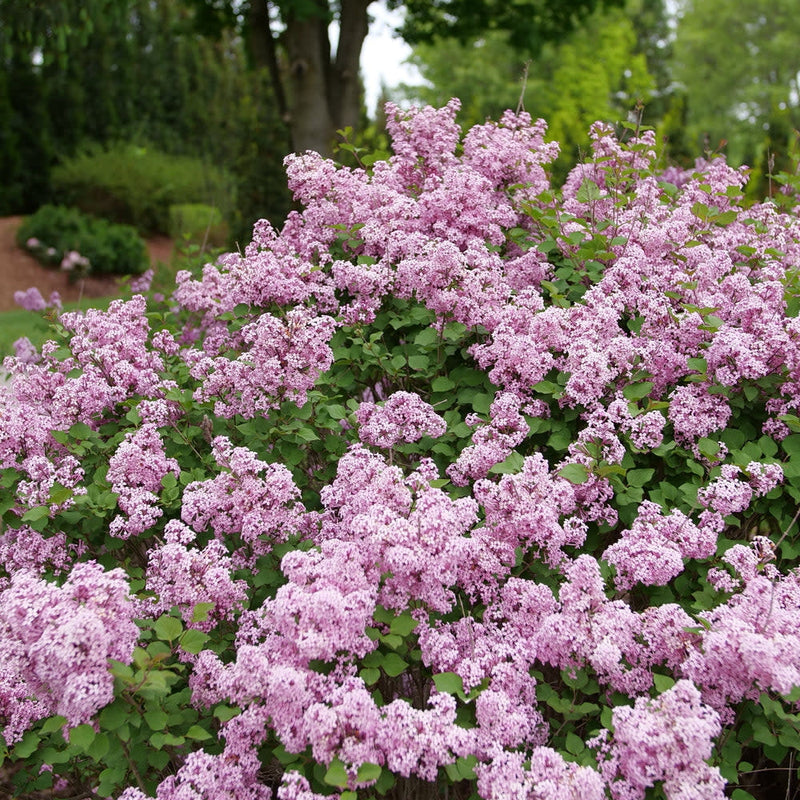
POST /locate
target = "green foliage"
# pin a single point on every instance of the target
(596, 72)
(110, 248)
(737, 94)
(81, 75)
(197, 223)
(138, 185)
(527, 23)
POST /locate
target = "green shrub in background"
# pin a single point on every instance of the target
(137, 185)
(197, 223)
(111, 249)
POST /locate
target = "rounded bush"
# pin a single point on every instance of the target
(462, 484)
(61, 235)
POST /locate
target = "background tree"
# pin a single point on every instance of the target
(738, 63)
(596, 72)
(317, 85)
(81, 75)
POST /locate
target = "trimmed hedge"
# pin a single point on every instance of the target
(137, 185)
(197, 223)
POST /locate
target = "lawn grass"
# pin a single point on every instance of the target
(35, 325)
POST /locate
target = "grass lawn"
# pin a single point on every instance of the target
(34, 324)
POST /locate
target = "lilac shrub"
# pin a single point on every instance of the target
(459, 484)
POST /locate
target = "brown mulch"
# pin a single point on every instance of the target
(20, 271)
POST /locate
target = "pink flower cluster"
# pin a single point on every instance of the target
(135, 471)
(491, 443)
(179, 575)
(652, 550)
(32, 300)
(403, 417)
(250, 501)
(55, 644)
(277, 360)
(667, 740)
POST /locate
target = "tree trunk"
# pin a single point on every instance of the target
(262, 50)
(345, 89)
(309, 65)
(322, 95)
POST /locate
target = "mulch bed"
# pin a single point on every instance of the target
(20, 271)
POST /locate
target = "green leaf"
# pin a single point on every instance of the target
(336, 411)
(466, 767)
(449, 683)
(403, 625)
(639, 477)
(589, 192)
(707, 447)
(370, 675)
(35, 514)
(99, 748)
(510, 465)
(393, 665)
(200, 611)
(224, 712)
(307, 435)
(80, 430)
(54, 724)
(368, 772)
(574, 744)
(82, 736)
(574, 473)
(158, 759)
(158, 650)
(636, 391)
(442, 384)
(663, 683)
(156, 719)
(383, 615)
(697, 364)
(110, 780)
(168, 628)
(336, 774)
(59, 494)
(193, 641)
(426, 337)
(198, 733)
(481, 402)
(392, 640)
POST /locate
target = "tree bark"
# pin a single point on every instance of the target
(263, 52)
(315, 93)
(345, 89)
(309, 65)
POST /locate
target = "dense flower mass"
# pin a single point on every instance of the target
(459, 484)
(56, 642)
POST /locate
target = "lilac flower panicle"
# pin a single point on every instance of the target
(669, 739)
(56, 643)
(403, 417)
